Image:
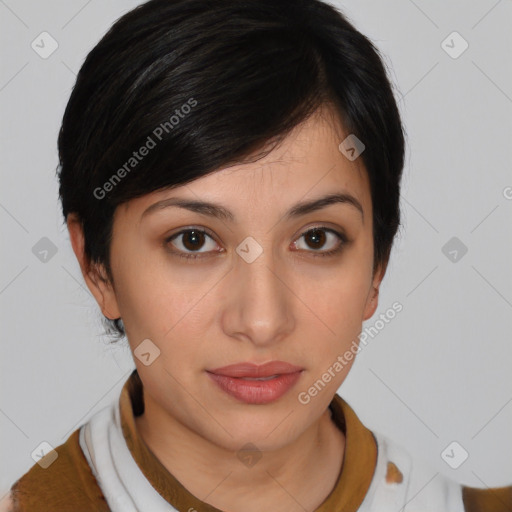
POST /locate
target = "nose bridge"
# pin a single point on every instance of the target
(260, 308)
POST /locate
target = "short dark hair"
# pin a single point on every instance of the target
(203, 85)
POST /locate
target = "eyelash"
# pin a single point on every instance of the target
(333, 252)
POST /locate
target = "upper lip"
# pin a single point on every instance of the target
(252, 370)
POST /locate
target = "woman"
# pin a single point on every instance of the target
(230, 178)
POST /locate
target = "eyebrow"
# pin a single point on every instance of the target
(222, 213)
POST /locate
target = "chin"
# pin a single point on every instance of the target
(266, 430)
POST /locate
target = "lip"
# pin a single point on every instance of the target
(254, 371)
(239, 380)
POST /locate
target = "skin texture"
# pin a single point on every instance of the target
(290, 304)
(6, 504)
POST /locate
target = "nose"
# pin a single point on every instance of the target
(260, 305)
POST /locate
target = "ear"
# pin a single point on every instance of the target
(372, 301)
(94, 274)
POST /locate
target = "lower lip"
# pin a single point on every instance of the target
(256, 391)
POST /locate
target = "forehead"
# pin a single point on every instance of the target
(306, 164)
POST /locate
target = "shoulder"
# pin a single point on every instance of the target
(61, 480)
(497, 499)
(401, 481)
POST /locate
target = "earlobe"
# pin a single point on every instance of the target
(98, 284)
(372, 301)
(103, 291)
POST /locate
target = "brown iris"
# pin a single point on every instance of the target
(317, 236)
(193, 237)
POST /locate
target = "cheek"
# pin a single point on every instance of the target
(150, 298)
(341, 309)
(344, 302)
(336, 304)
(338, 294)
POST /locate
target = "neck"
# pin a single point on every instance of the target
(295, 477)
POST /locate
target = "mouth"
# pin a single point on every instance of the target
(256, 384)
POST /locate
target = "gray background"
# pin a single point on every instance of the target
(439, 372)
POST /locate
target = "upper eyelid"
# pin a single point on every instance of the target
(339, 234)
(185, 230)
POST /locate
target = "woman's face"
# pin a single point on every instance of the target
(256, 287)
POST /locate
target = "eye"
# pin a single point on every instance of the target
(190, 243)
(318, 237)
(191, 239)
